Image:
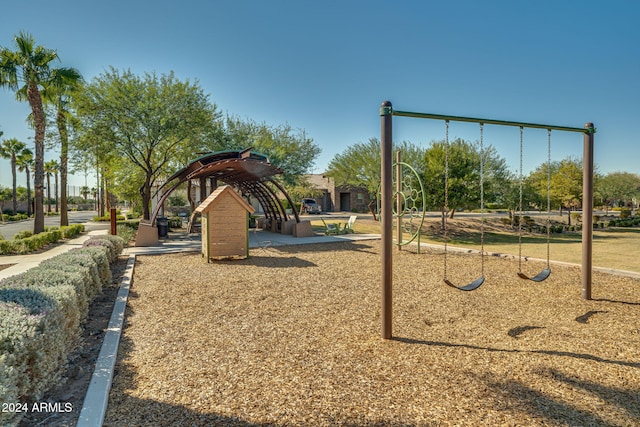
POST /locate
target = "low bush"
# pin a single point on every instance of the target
(126, 232)
(23, 234)
(40, 316)
(25, 242)
(625, 213)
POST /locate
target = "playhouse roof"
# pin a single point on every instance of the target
(214, 198)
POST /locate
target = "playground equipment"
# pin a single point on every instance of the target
(386, 123)
(480, 280)
(544, 274)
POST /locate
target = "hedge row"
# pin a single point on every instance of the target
(25, 242)
(41, 311)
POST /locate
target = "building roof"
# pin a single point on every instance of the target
(214, 198)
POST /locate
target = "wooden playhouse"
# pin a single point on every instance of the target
(225, 224)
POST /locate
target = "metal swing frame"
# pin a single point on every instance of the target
(546, 272)
(386, 144)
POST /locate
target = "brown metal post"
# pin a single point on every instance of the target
(112, 213)
(587, 211)
(386, 183)
(398, 201)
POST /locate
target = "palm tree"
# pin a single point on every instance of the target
(50, 168)
(24, 162)
(59, 92)
(10, 149)
(27, 71)
(85, 191)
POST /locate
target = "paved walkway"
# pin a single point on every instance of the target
(22, 263)
(184, 242)
(176, 242)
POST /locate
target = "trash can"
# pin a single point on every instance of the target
(163, 226)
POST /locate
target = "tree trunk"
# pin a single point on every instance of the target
(49, 193)
(56, 191)
(64, 154)
(29, 210)
(192, 204)
(35, 101)
(13, 175)
(145, 192)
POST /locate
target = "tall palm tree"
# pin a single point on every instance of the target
(59, 93)
(27, 70)
(50, 168)
(85, 191)
(10, 149)
(24, 162)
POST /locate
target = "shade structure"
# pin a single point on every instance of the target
(250, 173)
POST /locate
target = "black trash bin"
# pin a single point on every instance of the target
(163, 226)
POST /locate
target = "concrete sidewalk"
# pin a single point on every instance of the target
(176, 242)
(184, 242)
(23, 263)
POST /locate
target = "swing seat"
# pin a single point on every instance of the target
(543, 275)
(470, 287)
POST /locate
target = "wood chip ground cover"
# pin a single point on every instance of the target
(291, 336)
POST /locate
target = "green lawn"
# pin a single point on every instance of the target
(612, 247)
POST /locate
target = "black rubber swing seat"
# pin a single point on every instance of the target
(470, 287)
(538, 277)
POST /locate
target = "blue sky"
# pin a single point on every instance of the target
(325, 67)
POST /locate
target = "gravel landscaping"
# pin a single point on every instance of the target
(291, 336)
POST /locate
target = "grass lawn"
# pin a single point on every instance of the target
(612, 247)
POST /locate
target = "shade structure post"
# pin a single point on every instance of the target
(587, 210)
(386, 183)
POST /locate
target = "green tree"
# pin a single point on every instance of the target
(24, 162)
(565, 185)
(27, 70)
(147, 120)
(85, 191)
(292, 151)
(10, 149)
(618, 187)
(464, 176)
(62, 86)
(359, 164)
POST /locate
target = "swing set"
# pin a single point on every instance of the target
(387, 196)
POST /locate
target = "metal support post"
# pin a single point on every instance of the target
(587, 211)
(386, 212)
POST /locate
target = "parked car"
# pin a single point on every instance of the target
(309, 206)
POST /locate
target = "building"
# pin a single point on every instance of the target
(345, 198)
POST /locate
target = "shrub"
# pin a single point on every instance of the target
(40, 312)
(71, 231)
(117, 241)
(30, 332)
(94, 254)
(42, 277)
(126, 232)
(625, 213)
(110, 249)
(23, 234)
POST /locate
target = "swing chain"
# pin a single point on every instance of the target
(482, 160)
(548, 195)
(520, 206)
(446, 194)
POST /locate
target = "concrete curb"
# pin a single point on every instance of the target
(94, 407)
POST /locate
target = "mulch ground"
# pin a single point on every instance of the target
(291, 336)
